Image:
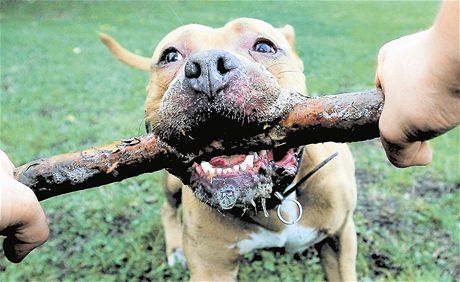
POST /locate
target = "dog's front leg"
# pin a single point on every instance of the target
(338, 254)
(171, 222)
(210, 264)
(209, 240)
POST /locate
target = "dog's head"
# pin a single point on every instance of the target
(216, 84)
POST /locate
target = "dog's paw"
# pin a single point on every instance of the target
(177, 257)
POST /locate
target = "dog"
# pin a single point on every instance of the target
(207, 83)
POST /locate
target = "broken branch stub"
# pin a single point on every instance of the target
(346, 117)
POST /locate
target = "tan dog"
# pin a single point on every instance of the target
(224, 76)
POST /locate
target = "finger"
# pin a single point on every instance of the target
(408, 154)
(16, 250)
(378, 83)
(21, 241)
(25, 225)
(378, 69)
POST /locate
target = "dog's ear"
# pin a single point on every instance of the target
(289, 33)
(125, 56)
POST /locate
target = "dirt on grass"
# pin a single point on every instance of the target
(387, 218)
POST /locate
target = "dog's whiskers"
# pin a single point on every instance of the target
(278, 73)
(141, 123)
(287, 71)
(164, 86)
(161, 86)
(254, 205)
(277, 64)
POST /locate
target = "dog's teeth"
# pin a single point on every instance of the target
(243, 165)
(254, 205)
(249, 160)
(227, 170)
(206, 166)
(211, 170)
(264, 207)
(236, 168)
(219, 170)
(256, 156)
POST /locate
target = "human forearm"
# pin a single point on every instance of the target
(445, 39)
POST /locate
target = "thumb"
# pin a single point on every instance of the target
(408, 154)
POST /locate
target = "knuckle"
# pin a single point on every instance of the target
(43, 231)
(43, 235)
(377, 81)
(31, 203)
(32, 211)
(382, 53)
(399, 162)
(392, 127)
(389, 133)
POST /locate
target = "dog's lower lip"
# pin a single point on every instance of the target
(240, 180)
(226, 167)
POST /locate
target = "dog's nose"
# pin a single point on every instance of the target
(208, 72)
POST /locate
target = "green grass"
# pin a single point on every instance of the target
(54, 101)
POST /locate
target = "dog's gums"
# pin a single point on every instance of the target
(226, 182)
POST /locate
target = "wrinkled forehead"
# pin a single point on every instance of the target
(236, 35)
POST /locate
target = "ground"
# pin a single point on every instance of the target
(61, 91)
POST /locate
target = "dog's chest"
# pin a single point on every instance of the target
(294, 238)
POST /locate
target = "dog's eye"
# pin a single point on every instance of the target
(264, 46)
(171, 55)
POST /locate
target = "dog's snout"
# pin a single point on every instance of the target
(208, 72)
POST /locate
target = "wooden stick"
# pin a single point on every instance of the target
(94, 167)
(346, 117)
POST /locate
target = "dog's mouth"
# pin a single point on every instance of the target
(225, 104)
(244, 180)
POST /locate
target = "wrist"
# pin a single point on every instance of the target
(445, 35)
(443, 57)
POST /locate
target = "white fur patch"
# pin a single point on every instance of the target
(177, 257)
(294, 238)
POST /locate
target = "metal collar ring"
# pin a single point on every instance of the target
(278, 210)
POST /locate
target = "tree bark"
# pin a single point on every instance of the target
(345, 117)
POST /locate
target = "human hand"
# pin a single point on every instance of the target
(420, 77)
(22, 219)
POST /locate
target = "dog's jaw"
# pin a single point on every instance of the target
(241, 181)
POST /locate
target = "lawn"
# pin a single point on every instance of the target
(61, 91)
